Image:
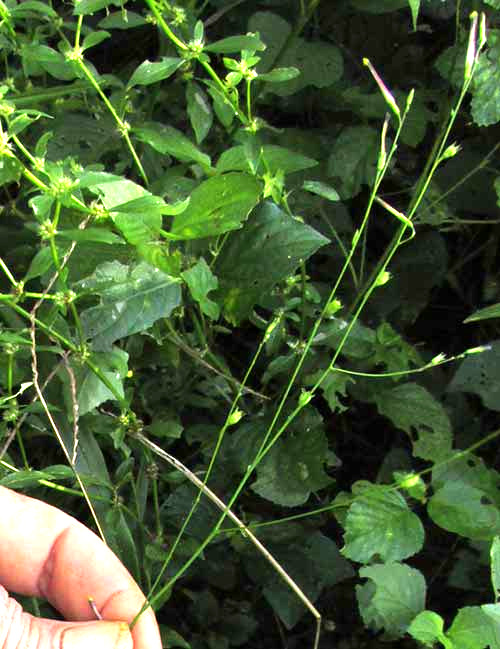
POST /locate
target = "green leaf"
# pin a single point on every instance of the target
(353, 159)
(149, 72)
(472, 629)
(32, 8)
(92, 235)
(321, 189)
(201, 281)
(90, 390)
(272, 157)
(218, 205)
(480, 374)
(495, 566)
(49, 60)
(266, 251)
(293, 468)
(334, 386)
(414, 7)
(278, 75)
(139, 228)
(486, 84)
(199, 111)
(94, 38)
(10, 170)
(392, 598)
(30, 478)
(132, 300)
(235, 44)
(40, 264)
(123, 19)
(314, 562)
(84, 7)
(427, 628)
(412, 408)
(121, 541)
(166, 139)
(492, 311)
(379, 522)
(465, 510)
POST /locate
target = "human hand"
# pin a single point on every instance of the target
(46, 553)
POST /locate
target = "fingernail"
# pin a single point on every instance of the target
(101, 635)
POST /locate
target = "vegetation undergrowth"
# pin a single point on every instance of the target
(243, 257)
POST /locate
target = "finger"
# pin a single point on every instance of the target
(21, 630)
(44, 552)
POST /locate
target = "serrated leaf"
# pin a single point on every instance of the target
(480, 374)
(218, 205)
(201, 281)
(132, 300)
(379, 522)
(199, 111)
(90, 390)
(272, 157)
(486, 84)
(314, 562)
(166, 139)
(427, 628)
(465, 510)
(392, 598)
(412, 408)
(492, 311)
(149, 72)
(293, 469)
(235, 44)
(353, 159)
(267, 250)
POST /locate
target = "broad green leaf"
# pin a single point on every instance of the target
(492, 311)
(486, 84)
(139, 228)
(353, 159)
(414, 8)
(392, 598)
(493, 3)
(451, 63)
(492, 615)
(235, 44)
(150, 72)
(266, 251)
(293, 468)
(320, 64)
(199, 111)
(468, 469)
(321, 189)
(90, 390)
(495, 566)
(314, 562)
(472, 629)
(379, 522)
(465, 510)
(278, 75)
(158, 254)
(272, 157)
(359, 345)
(91, 235)
(121, 541)
(123, 19)
(10, 170)
(218, 205)
(49, 60)
(132, 300)
(427, 628)
(480, 374)
(32, 8)
(201, 281)
(166, 139)
(412, 408)
(85, 7)
(94, 38)
(40, 264)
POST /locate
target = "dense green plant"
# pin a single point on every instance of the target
(225, 241)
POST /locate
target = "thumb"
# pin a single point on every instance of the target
(20, 630)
